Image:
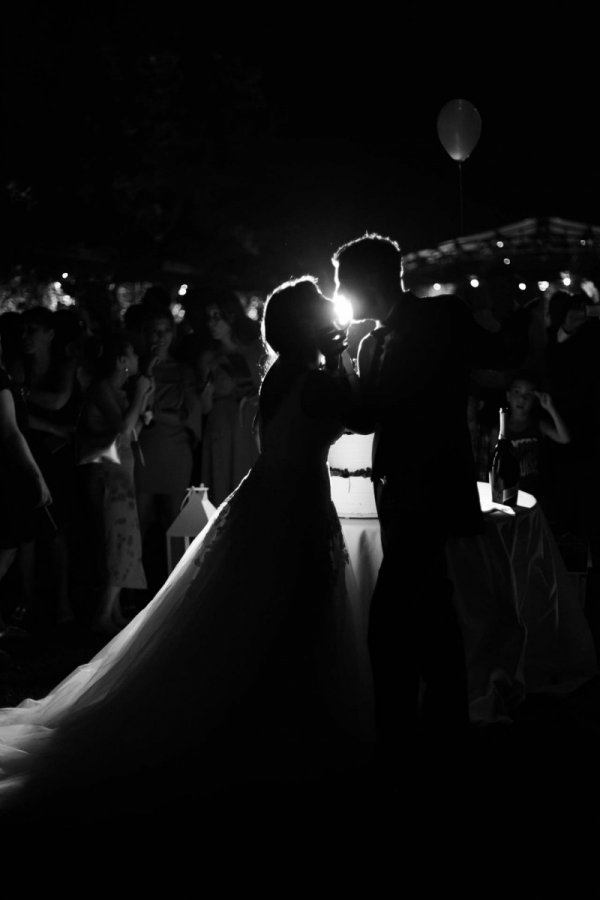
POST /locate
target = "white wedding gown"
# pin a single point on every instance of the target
(249, 665)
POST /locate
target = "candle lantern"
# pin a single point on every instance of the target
(196, 511)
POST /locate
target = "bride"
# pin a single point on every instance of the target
(248, 666)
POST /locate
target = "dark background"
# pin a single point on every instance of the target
(135, 141)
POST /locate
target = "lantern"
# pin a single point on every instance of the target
(196, 511)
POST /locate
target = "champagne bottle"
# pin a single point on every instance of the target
(504, 472)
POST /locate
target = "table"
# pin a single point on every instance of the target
(523, 624)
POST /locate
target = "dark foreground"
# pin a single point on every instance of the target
(496, 790)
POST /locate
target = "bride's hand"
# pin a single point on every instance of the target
(332, 343)
(44, 497)
(347, 363)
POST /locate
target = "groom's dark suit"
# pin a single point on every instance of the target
(414, 377)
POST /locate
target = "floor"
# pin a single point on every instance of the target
(544, 767)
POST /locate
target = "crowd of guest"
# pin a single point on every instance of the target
(553, 420)
(106, 420)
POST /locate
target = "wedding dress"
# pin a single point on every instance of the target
(248, 665)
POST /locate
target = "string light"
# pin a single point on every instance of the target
(178, 312)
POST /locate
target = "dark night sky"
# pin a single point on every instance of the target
(332, 143)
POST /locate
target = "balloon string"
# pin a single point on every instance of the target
(460, 200)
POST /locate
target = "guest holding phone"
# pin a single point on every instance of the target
(110, 421)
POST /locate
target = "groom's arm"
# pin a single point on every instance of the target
(360, 416)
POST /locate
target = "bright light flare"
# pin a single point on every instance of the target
(543, 285)
(178, 312)
(474, 282)
(522, 286)
(182, 290)
(343, 310)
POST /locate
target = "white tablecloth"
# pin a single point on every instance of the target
(523, 624)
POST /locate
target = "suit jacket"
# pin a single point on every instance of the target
(414, 396)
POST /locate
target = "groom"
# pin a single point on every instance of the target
(413, 371)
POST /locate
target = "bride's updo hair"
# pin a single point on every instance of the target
(290, 315)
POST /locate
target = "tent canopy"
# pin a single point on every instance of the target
(533, 247)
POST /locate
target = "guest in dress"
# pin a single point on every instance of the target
(167, 444)
(47, 376)
(230, 369)
(532, 416)
(23, 489)
(109, 425)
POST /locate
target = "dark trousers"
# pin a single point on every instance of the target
(415, 640)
